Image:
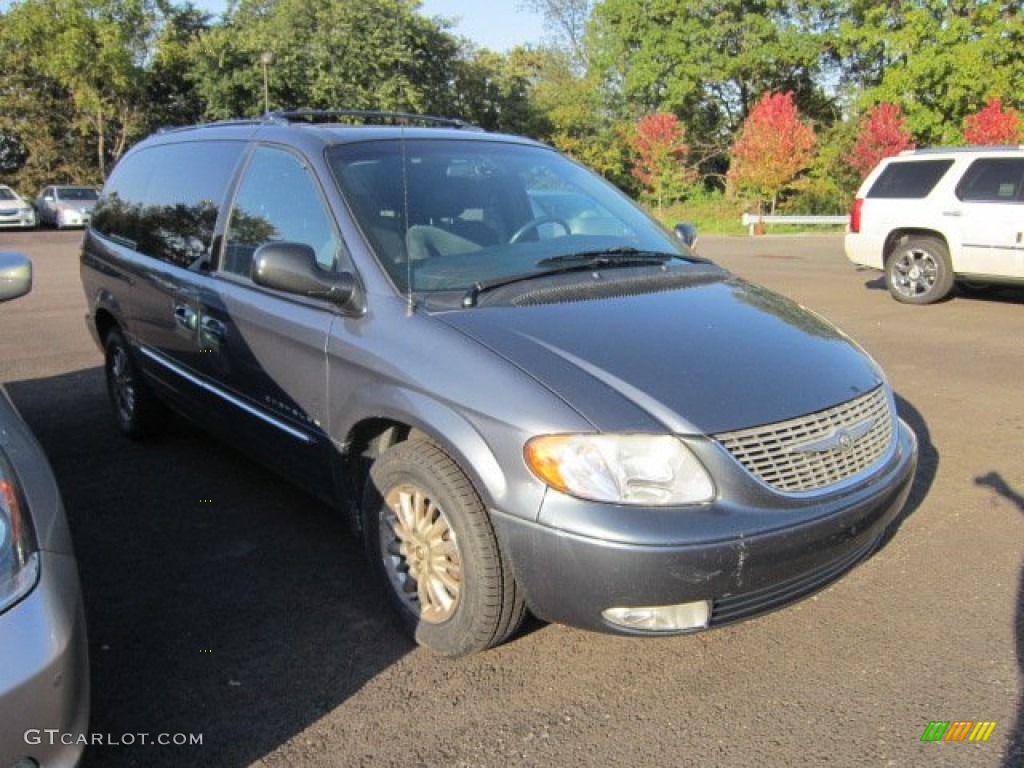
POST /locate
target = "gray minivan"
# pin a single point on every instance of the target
(521, 391)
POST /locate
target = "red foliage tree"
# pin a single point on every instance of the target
(882, 134)
(772, 148)
(660, 157)
(993, 125)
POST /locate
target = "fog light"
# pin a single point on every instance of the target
(661, 618)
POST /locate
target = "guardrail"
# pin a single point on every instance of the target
(750, 220)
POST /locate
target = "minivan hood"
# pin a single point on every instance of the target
(707, 358)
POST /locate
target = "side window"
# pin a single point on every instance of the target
(278, 199)
(163, 201)
(909, 179)
(993, 179)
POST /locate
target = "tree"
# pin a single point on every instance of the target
(993, 125)
(883, 133)
(374, 54)
(706, 61)
(86, 57)
(568, 21)
(660, 157)
(938, 59)
(772, 148)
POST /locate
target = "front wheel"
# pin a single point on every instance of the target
(918, 271)
(432, 545)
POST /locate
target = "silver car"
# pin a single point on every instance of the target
(14, 211)
(44, 668)
(66, 206)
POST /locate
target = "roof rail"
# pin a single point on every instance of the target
(215, 123)
(964, 148)
(365, 116)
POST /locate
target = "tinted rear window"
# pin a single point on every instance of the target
(163, 201)
(909, 179)
(993, 179)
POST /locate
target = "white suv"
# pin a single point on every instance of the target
(932, 217)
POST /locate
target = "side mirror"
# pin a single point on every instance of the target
(15, 275)
(687, 233)
(292, 268)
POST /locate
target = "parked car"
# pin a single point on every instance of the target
(931, 218)
(14, 211)
(44, 667)
(66, 206)
(520, 390)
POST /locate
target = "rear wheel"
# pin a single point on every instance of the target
(432, 545)
(137, 411)
(918, 271)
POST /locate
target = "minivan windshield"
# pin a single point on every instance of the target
(448, 215)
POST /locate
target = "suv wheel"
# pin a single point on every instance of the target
(431, 543)
(917, 271)
(137, 411)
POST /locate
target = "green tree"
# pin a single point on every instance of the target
(91, 52)
(707, 61)
(374, 54)
(938, 60)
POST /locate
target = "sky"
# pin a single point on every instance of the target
(495, 24)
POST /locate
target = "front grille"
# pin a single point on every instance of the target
(817, 450)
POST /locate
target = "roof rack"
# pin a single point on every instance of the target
(964, 149)
(365, 116)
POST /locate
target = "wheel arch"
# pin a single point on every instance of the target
(105, 321)
(902, 234)
(395, 416)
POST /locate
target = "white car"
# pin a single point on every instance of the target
(930, 218)
(66, 206)
(14, 211)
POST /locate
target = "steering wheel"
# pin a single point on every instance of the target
(532, 224)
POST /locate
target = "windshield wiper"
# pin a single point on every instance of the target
(622, 256)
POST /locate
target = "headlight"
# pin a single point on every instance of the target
(655, 470)
(19, 559)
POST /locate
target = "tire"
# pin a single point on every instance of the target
(137, 411)
(441, 566)
(917, 271)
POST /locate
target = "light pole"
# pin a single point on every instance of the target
(265, 58)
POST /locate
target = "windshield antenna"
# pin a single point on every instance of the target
(409, 298)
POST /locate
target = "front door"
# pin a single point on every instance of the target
(266, 351)
(991, 214)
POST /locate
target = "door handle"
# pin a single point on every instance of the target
(953, 213)
(185, 316)
(212, 328)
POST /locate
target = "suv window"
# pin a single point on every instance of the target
(914, 179)
(993, 179)
(278, 199)
(163, 201)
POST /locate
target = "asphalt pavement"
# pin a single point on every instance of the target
(226, 607)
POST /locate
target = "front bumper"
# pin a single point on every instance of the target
(72, 217)
(44, 670)
(743, 569)
(19, 220)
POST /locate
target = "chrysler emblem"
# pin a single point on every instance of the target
(837, 440)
